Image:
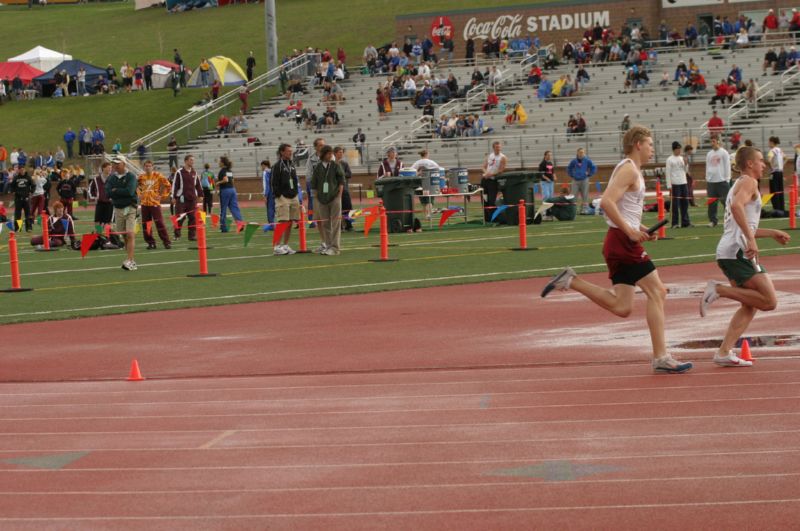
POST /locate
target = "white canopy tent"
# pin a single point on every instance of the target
(42, 58)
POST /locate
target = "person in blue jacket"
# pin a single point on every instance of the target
(545, 88)
(580, 169)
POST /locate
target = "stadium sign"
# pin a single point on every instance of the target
(513, 26)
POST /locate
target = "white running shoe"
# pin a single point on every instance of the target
(668, 364)
(330, 251)
(561, 281)
(134, 267)
(289, 250)
(279, 250)
(321, 248)
(129, 265)
(709, 296)
(731, 360)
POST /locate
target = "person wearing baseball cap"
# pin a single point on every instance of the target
(121, 189)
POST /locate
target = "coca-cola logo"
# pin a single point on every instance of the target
(503, 27)
(441, 29)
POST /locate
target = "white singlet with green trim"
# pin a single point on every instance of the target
(733, 238)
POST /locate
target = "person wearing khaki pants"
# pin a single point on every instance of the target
(327, 185)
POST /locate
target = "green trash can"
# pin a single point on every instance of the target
(398, 200)
(517, 185)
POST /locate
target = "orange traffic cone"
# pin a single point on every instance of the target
(745, 354)
(136, 375)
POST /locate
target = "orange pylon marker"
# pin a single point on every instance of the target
(745, 354)
(136, 375)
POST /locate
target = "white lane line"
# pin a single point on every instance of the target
(460, 442)
(302, 466)
(286, 401)
(399, 410)
(322, 289)
(721, 373)
(473, 425)
(540, 509)
(538, 484)
(221, 437)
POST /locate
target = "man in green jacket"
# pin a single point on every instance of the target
(121, 189)
(327, 184)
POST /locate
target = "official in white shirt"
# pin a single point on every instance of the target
(776, 160)
(679, 187)
(718, 178)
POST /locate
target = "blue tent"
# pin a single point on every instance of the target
(93, 73)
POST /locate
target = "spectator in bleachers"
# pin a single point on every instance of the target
(783, 57)
(752, 91)
(664, 79)
(329, 117)
(426, 94)
(684, 86)
(691, 36)
(470, 51)
(492, 101)
(567, 51)
(558, 87)
(615, 53)
(452, 84)
(741, 40)
(715, 124)
(545, 88)
(626, 123)
(771, 23)
(581, 78)
(410, 88)
(721, 93)
(548, 175)
(534, 75)
(736, 139)
(477, 77)
(680, 69)
(770, 61)
(698, 83)
(380, 100)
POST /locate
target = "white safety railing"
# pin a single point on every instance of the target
(200, 119)
(522, 150)
(789, 76)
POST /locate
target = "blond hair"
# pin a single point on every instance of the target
(633, 136)
(744, 154)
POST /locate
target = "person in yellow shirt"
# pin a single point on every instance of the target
(204, 69)
(558, 85)
(152, 189)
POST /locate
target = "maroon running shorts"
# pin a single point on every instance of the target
(627, 260)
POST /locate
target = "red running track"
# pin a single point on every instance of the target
(531, 446)
(479, 325)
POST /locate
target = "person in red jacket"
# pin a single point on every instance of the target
(770, 23)
(721, 95)
(186, 189)
(715, 124)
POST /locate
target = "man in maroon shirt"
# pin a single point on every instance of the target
(103, 210)
(185, 191)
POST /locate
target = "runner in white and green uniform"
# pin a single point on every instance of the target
(737, 256)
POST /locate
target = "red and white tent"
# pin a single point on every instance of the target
(10, 70)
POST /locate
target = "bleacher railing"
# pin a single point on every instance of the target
(603, 147)
(200, 121)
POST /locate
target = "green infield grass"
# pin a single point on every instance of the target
(67, 286)
(112, 32)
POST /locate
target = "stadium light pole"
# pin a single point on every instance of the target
(271, 33)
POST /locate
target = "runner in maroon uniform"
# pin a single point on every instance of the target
(628, 263)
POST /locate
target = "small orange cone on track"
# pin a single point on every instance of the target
(136, 375)
(746, 355)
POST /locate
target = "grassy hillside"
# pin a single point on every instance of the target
(138, 36)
